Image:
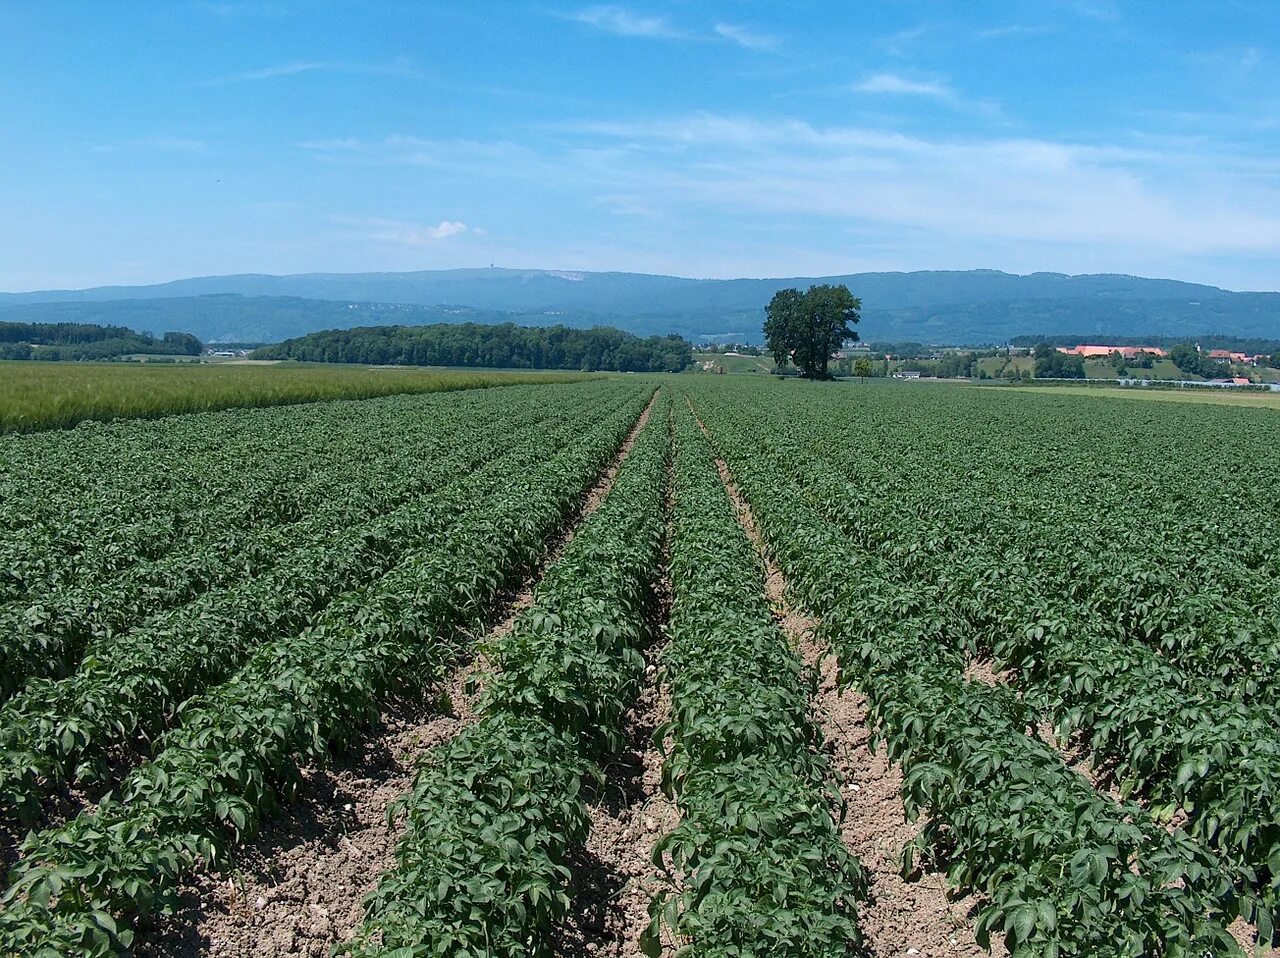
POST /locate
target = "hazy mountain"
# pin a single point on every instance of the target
(936, 306)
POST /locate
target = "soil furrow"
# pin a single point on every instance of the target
(614, 876)
(298, 888)
(906, 916)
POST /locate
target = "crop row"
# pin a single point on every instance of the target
(79, 887)
(132, 684)
(1065, 870)
(1178, 741)
(482, 868)
(45, 635)
(1187, 744)
(757, 861)
(80, 507)
(1181, 563)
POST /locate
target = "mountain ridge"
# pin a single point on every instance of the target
(960, 306)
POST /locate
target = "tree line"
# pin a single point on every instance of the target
(72, 341)
(505, 346)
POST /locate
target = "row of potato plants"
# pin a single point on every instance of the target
(82, 506)
(46, 635)
(130, 686)
(79, 888)
(483, 866)
(1064, 869)
(1185, 743)
(756, 862)
(1178, 741)
(1186, 555)
(1181, 563)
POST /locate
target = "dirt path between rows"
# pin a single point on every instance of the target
(615, 878)
(298, 888)
(904, 917)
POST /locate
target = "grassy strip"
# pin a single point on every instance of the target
(45, 636)
(492, 815)
(237, 754)
(1065, 870)
(134, 683)
(36, 396)
(762, 866)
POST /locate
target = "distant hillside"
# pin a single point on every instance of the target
(505, 346)
(975, 306)
(230, 317)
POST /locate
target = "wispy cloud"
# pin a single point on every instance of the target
(625, 23)
(401, 233)
(746, 37)
(243, 8)
(169, 144)
(896, 84)
(1009, 30)
(1103, 11)
(937, 90)
(1106, 203)
(896, 44)
(400, 67)
(469, 157)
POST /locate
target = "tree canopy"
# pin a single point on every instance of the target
(501, 346)
(807, 328)
(1051, 364)
(54, 341)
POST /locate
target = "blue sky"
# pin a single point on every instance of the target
(147, 141)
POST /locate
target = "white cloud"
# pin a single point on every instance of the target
(168, 144)
(627, 24)
(446, 229)
(896, 84)
(1013, 30)
(400, 67)
(400, 233)
(745, 37)
(1111, 204)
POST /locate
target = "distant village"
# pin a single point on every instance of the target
(1186, 364)
(1135, 352)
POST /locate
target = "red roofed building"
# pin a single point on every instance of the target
(1227, 356)
(1128, 352)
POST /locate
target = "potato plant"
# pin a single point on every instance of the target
(262, 514)
(133, 684)
(1065, 870)
(483, 867)
(757, 858)
(79, 887)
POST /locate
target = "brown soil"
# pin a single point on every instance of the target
(298, 889)
(615, 878)
(914, 916)
(1246, 936)
(984, 671)
(904, 917)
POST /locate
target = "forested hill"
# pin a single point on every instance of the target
(973, 306)
(85, 341)
(504, 346)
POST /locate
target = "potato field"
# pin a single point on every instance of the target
(697, 666)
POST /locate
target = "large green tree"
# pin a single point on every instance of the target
(807, 328)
